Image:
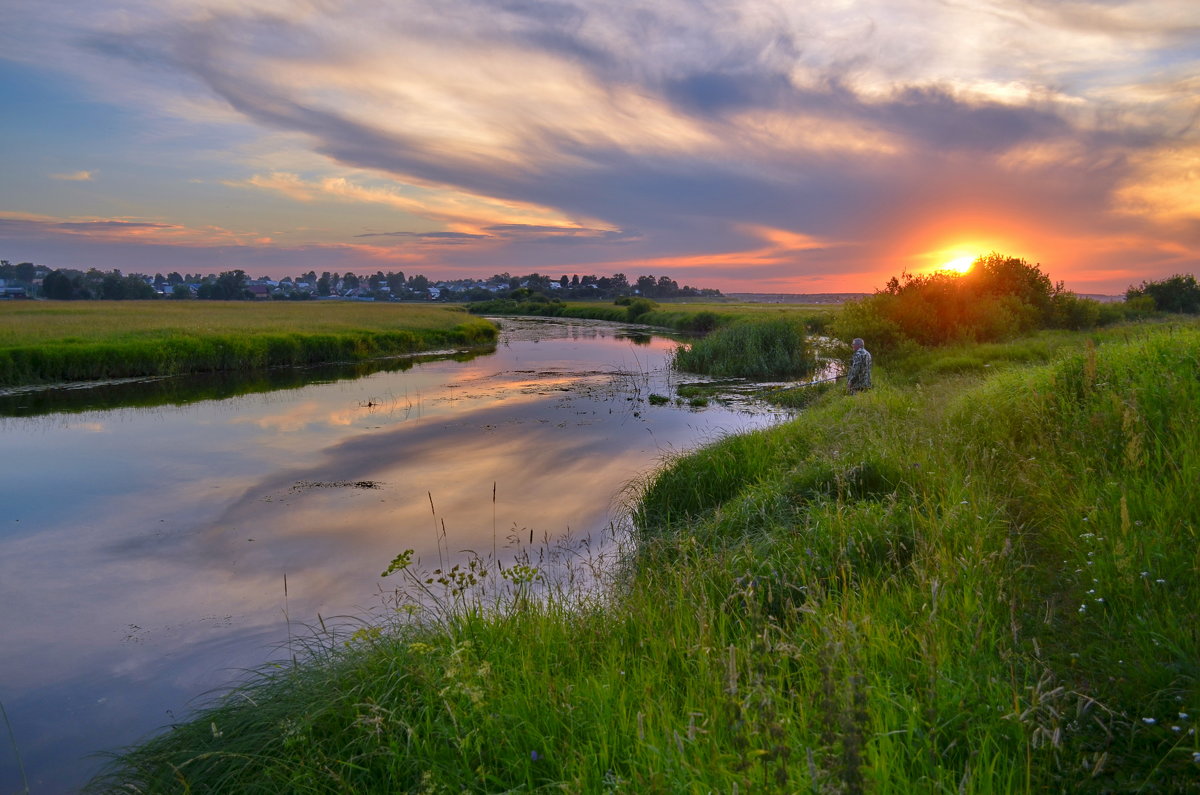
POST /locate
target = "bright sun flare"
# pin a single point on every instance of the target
(958, 264)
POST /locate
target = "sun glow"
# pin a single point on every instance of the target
(958, 264)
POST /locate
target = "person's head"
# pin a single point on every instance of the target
(857, 343)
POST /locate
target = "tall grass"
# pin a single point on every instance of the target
(984, 586)
(93, 340)
(760, 349)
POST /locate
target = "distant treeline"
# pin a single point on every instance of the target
(67, 284)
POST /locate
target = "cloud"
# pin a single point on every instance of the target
(671, 133)
(75, 176)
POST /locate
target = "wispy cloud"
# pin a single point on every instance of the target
(671, 133)
(75, 176)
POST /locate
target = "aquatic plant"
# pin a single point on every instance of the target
(761, 349)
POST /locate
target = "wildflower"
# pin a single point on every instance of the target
(1087, 535)
(1149, 721)
(1161, 581)
(1091, 590)
(1176, 729)
(1145, 574)
(1083, 608)
(534, 756)
(1183, 716)
(1196, 757)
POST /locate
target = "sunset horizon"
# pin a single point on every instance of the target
(751, 147)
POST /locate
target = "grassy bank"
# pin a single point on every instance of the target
(684, 317)
(44, 342)
(976, 583)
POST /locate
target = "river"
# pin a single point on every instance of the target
(150, 554)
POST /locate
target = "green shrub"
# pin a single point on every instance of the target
(638, 307)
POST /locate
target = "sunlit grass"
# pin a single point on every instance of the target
(46, 342)
(38, 322)
(979, 584)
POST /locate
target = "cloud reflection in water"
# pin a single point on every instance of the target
(142, 564)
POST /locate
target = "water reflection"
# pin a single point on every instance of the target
(193, 388)
(143, 551)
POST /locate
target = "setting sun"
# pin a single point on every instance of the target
(958, 264)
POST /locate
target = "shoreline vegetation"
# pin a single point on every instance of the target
(977, 581)
(43, 342)
(979, 577)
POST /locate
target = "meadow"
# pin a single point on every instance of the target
(47, 342)
(975, 579)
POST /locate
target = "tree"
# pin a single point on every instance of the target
(1179, 293)
(112, 287)
(181, 292)
(231, 285)
(57, 286)
(323, 287)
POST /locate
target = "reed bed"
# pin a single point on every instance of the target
(981, 585)
(758, 348)
(51, 342)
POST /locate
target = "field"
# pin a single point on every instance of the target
(978, 580)
(48, 342)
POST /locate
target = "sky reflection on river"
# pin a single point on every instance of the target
(143, 551)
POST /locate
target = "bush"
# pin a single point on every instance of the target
(999, 298)
(638, 307)
(1180, 293)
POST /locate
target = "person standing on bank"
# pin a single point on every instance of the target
(858, 377)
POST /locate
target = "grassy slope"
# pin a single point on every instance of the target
(971, 585)
(53, 341)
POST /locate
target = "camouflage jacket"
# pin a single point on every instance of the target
(858, 377)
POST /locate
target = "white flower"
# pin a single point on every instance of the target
(1149, 721)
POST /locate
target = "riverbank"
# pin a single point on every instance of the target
(980, 582)
(687, 317)
(49, 342)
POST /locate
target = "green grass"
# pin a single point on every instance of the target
(757, 348)
(979, 583)
(695, 318)
(52, 342)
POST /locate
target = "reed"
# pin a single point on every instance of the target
(985, 584)
(761, 349)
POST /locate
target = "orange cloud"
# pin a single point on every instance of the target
(75, 176)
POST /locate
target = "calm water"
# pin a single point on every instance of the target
(143, 551)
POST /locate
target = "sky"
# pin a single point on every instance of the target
(800, 146)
